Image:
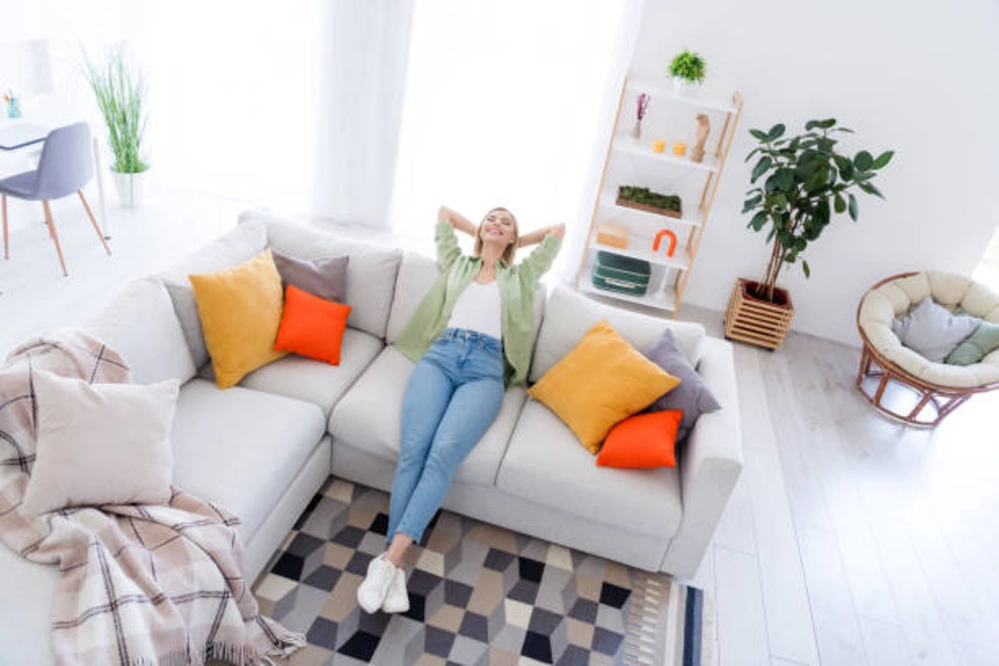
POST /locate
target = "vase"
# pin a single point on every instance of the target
(130, 187)
(680, 86)
(636, 131)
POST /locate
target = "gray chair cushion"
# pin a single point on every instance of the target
(316, 381)
(369, 418)
(932, 331)
(545, 463)
(240, 448)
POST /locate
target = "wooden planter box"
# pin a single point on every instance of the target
(757, 321)
(650, 209)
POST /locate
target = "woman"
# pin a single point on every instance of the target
(470, 337)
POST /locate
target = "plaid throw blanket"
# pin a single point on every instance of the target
(139, 585)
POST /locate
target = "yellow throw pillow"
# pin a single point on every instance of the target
(240, 310)
(602, 381)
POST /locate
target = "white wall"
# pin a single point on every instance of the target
(915, 77)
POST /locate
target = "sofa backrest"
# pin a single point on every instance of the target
(140, 324)
(416, 275)
(568, 316)
(230, 249)
(371, 273)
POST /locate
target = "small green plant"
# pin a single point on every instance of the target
(806, 182)
(645, 196)
(120, 98)
(688, 66)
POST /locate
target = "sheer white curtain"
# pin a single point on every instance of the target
(505, 103)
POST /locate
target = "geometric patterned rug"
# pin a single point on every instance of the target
(479, 595)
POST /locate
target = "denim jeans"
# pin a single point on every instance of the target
(453, 396)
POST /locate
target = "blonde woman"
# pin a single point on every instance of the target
(470, 338)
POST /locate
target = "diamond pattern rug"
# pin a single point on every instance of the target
(479, 595)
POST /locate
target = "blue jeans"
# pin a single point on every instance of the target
(453, 396)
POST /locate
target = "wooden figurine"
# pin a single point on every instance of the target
(703, 127)
(672, 242)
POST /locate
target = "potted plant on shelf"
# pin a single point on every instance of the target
(686, 68)
(644, 199)
(120, 96)
(805, 183)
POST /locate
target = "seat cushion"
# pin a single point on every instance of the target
(27, 590)
(544, 463)
(23, 185)
(317, 382)
(241, 448)
(368, 418)
(371, 272)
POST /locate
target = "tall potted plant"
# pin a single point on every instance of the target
(805, 182)
(120, 94)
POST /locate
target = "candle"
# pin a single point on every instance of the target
(679, 148)
(658, 145)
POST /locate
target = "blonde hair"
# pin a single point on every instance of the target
(511, 249)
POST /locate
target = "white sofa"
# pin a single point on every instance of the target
(264, 448)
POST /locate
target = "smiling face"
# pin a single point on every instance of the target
(498, 228)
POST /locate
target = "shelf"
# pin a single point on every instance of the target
(639, 85)
(681, 258)
(608, 202)
(627, 145)
(657, 301)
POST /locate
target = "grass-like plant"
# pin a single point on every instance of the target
(120, 96)
(688, 66)
(645, 196)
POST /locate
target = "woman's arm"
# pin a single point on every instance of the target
(535, 237)
(459, 221)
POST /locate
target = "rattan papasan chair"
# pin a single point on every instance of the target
(943, 386)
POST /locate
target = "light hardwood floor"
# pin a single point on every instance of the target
(849, 541)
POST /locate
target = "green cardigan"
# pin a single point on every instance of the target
(517, 285)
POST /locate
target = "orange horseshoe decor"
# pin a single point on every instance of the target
(672, 242)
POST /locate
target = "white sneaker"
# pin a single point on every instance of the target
(371, 592)
(397, 599)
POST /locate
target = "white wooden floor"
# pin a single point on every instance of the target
(850, 540)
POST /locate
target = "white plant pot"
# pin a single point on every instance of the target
(680, 86)
(130, 187)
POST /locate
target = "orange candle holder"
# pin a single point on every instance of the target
(679, 149)
(658, 146)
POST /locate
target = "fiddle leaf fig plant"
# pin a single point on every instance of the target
(803, 183)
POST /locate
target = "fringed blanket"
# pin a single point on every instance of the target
(139, 585)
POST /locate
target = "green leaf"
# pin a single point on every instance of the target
(870, 189)
(839, 202)
(752, 203)
(751, 153)
(816, 181)
(853, 207)
(863, 161)
(758, 220)
(761, 167)
(827, 123)
(806, 269)
(811, 124)
(757, 134)
(883, 159)
(843, 129)
(784, 178)
(776, 131)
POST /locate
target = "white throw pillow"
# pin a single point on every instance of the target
(101, 444)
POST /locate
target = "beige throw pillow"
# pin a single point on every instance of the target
(101, 444)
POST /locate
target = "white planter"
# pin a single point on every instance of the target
(680, 86)
(130, 186)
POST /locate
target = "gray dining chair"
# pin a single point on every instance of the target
(65, 167)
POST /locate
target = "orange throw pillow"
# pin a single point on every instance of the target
(642, 442)
(312, 326)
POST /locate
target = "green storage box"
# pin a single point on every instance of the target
(621, 274)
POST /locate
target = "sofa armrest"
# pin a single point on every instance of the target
(710, 463)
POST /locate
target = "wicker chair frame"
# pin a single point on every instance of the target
(945, 399)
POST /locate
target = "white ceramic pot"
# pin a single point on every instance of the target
(680, 86)
(130, 187)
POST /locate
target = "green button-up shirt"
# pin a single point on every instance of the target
(517, 285)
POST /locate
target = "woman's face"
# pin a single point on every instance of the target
(498, 227)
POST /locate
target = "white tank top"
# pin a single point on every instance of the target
(479, 309)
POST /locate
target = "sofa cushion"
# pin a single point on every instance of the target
(239, 245)
(240, 448)
(317, 382)
(27, 590)
(544, 463)
(368, 418)
(371, 272)
(325, 278)
(568, 316)
(417, 274)
(932, 331)
(140, 324)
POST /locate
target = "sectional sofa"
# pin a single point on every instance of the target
(264, 448)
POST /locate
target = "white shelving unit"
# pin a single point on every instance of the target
(669, 274)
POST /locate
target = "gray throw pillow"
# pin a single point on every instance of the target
(932, 331)
(325, 278)
(692, 396)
